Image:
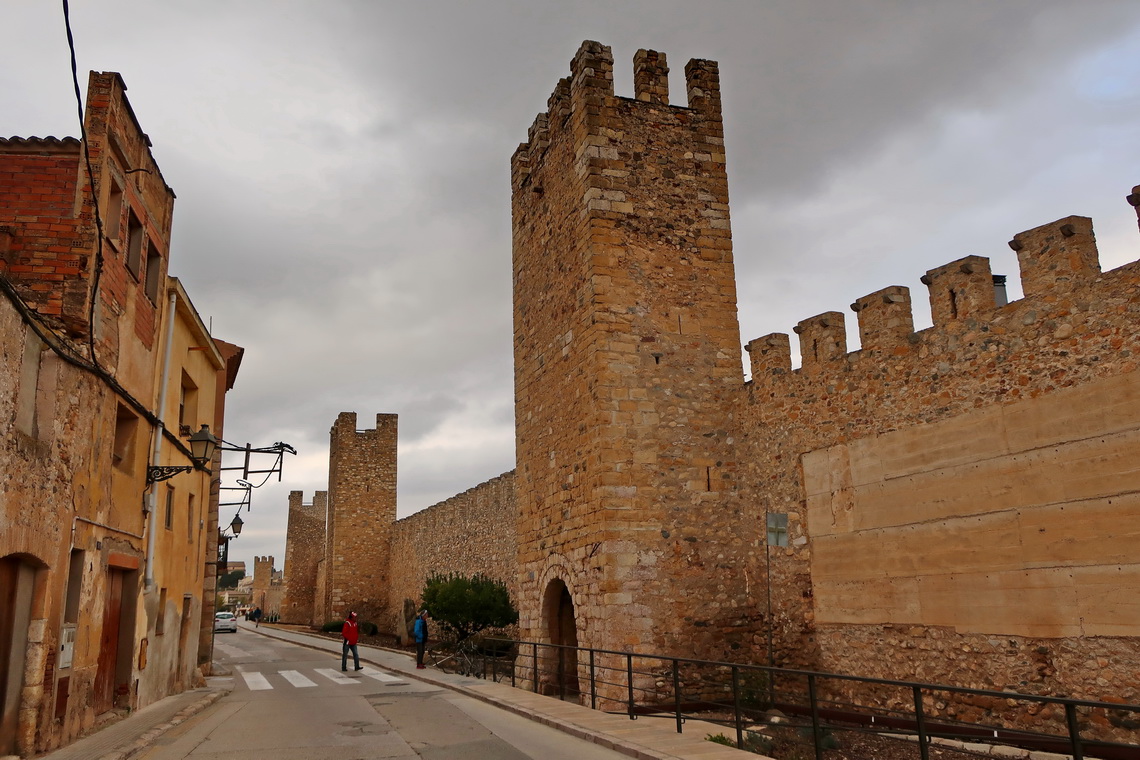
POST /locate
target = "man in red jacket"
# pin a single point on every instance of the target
(350, 633)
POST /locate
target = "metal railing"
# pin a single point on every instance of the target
(770, 708)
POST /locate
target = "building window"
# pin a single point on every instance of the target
(777, 529)
(187, 404)
(74, 586)
(169, 508)
(114, 213)
(126, 431)
(135, 238)
(153, 271)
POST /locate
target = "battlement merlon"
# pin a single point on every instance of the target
(885, 319)
(1134, 201)
(650, 77)
(1057, 256)
(823, 341)
(769, 356)
(959, 290)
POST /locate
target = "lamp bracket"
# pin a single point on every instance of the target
(158, 473)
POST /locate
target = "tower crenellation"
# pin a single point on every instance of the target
(885, 319)
(959, 290)
(1056, 257)
(651, 77)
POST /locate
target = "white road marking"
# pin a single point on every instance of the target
(382, 677)
(256, 681)
(229, 650)
(335, 676)
(295, 678)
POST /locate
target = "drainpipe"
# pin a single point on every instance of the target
(151, 496)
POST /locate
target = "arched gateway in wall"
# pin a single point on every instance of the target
(562, 630)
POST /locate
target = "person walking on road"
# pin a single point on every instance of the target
(420, 632)
(255, 616)
(350, 634)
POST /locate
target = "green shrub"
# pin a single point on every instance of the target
(720, 739)
(333, 626)
(369, 629)
(466, 605)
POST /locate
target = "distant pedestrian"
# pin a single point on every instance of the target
(256, 617)
(420, 632)
(350, 634)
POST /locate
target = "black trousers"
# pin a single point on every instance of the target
(420, 647)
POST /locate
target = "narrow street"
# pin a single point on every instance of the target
(292, 703)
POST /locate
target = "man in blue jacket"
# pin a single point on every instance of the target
(420, 633)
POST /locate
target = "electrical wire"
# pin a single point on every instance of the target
(98, 273)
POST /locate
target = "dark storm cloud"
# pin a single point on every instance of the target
(343, 194)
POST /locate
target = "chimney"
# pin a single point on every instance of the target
(1001, 298)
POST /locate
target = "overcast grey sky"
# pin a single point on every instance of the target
(342, 172)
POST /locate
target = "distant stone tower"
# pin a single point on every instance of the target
(304, 549)
(262, 576)
(627, 354)
(361, 510)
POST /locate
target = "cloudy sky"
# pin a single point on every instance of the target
(342, 172)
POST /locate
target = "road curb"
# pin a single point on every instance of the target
(147, 738)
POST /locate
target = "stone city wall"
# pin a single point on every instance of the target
(961, 502)
(473, 532)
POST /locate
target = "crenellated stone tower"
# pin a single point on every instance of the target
(361, 510)
(627, 359)
(262, 578)
(304, 549)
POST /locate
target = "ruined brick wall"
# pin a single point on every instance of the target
(470, 533)
(45, 244)
(304, 548)
(961, 500)
(361, 510)
(627, 364)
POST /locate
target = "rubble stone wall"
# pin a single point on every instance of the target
(470, 533)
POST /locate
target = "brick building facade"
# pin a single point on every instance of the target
(955, 504)
(106, 567)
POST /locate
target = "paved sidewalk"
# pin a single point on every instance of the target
(139, 730)
(645, 738)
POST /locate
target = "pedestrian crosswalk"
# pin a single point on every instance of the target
(258, 681)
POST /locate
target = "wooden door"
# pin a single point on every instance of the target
(16, 581)
(109, 644)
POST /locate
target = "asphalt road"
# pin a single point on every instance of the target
(293, 703)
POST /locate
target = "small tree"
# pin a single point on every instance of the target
(467, 605)
(230, 579)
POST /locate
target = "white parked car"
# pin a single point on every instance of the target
(225, 621)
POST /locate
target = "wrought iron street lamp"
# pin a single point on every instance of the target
(203, 444)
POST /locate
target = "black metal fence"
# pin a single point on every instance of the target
(778, 711)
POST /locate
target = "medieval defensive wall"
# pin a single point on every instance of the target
(957, 504)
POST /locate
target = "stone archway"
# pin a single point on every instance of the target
(561, 629)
